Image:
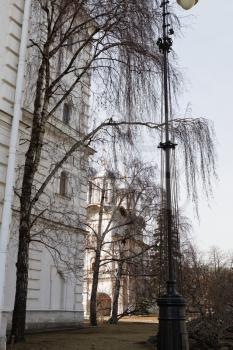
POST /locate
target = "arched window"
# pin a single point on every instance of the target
(67, 111)
(63, 190)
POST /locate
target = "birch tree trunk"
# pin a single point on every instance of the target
(93, 302)
(19, 313)
(100, 239)
(114, 319)
(32, 160)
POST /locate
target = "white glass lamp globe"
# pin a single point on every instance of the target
(187, 4)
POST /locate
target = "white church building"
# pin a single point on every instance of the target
(55, 275)
(120, 240)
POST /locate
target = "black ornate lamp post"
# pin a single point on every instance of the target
(172, 333)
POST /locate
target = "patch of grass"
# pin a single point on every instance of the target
(124, 336)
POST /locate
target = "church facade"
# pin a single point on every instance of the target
(55, 282)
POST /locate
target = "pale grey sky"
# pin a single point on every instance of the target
(205, 53)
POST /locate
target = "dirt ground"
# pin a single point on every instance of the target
(124, 336)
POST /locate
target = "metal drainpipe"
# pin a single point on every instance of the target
(8, 197)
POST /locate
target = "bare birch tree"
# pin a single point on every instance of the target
(101, 37)
(120, 225)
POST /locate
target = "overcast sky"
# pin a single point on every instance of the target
(205, 54)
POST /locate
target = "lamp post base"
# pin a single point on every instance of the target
(172, 333)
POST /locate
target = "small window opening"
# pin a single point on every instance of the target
(63, 183)
(93, 265)
(90, 190)
(59, 63)
(70, 43)
(67, 110)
